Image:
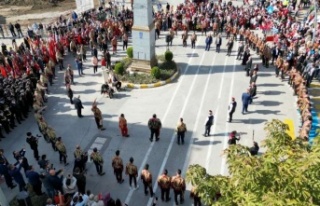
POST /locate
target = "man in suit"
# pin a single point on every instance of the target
(246, 98)
(232, 108)
(208, 124)
(208, 42)
(78, 105)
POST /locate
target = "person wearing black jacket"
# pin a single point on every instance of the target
(232, 108)
(18, 28)
(253, 91)
(233, 138)
(78, 105)
(33, 142)
(70, 93)
(11, 29)
(254, 149)
(208, 124)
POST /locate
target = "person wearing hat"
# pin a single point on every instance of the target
(97, 160)
(33, 142)
(97, 115)
(62, 151)
(232, 108)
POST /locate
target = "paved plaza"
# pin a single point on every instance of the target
(207, 81)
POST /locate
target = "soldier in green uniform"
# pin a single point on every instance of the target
(52, 137)
(98, 161)
(62, 151)
(79, 159)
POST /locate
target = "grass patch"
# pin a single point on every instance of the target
(167, 69)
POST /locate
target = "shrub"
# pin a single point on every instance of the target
(155, 72)
(130, 52)
(119, 68)
(168, 55)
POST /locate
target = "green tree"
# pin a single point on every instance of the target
(286, 174)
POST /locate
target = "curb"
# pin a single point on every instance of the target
(158, 84)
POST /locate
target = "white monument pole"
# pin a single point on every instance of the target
(143, 37)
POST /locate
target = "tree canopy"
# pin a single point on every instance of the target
(287, 173)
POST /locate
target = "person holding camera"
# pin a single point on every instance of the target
(33, 142)
(233, 138)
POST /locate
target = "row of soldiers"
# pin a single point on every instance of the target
(285, 66)
(165, 182)
(16, 97)
(298, 84)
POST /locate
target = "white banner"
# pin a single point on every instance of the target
(84, 5)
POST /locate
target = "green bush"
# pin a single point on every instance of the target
(119, 68)
(130, 52)
(168, 55)
(155, 72)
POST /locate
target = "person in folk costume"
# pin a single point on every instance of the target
(97, 115)
(114, 44)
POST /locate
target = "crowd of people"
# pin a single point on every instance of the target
(28, 71)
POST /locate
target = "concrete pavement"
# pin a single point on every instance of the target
(208, 80)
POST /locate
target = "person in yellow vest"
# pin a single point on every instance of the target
(146, 178)
(179, 186)
(164, 183)
(132, 171)
(97, 115)
(117, 165)
(52, 137)
(181, 130)
(123, 126)
(62, 151)
(98, 161)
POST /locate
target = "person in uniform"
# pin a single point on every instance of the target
(97, 115)
(146, 178)
(179, 186)
(33, 142)
(240, 51)
(97, 160)
(52, 136)
(123, 126)
(181, 130)
(132, 171)
(117, 165)
(43, 129)
(70, 93)
(154, 125)
(78, 159)
(62, 151)
(164, 183)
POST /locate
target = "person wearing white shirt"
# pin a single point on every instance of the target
(70, 185)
